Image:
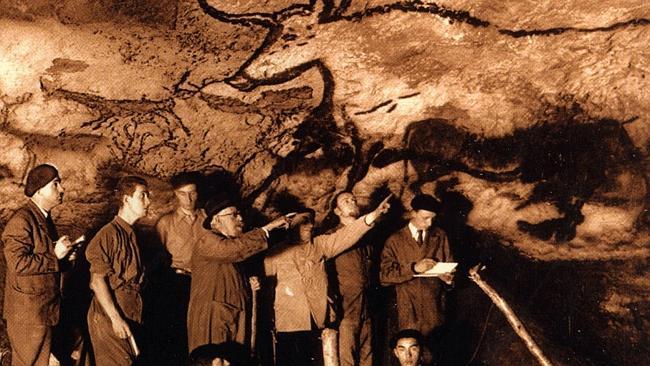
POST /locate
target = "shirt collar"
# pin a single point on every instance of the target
(123, 224)
(183, 212)
(414, 232)
(45, 213)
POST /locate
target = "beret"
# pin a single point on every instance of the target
(39, 177)
(425, 202)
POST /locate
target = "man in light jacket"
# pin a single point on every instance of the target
(301, 306)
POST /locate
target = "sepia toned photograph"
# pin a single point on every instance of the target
(325, 182)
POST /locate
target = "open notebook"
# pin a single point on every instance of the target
(439, 269)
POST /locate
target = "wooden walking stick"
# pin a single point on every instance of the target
(510, 315)
(330, 347)
(253, 321)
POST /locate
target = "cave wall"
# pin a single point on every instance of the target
(530, 117)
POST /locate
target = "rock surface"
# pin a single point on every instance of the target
(535, 115)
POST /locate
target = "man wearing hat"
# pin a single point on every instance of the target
(413, 250)
(219, 296)
(178, 231)
(35, 256)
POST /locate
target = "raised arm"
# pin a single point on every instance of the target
(231, 250)
(331, 245)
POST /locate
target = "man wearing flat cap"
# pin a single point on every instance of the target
(178, 232)
(410, 251)
(35, 256)
(219, 295)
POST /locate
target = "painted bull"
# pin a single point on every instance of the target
(393, 66)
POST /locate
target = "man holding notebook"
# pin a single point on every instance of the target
(407, 256)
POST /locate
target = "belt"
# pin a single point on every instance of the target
(180, 271)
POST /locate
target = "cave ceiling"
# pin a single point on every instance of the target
(535, 112)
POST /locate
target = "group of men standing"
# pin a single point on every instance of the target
(206, 250)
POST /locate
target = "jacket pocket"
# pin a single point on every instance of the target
(37, 284)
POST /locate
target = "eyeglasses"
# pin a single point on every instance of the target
(235, 213)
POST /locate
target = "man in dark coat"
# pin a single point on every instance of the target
(35, 257)
(219, 295)
(413, 250)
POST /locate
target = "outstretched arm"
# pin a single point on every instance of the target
(231, 250)
(333, 244)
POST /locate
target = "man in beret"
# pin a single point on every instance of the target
(415, 249)
(178, 231)
(116, 275)
(35, 256)
(219, 296)
(301, 306)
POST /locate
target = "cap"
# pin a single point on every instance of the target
(39, 177)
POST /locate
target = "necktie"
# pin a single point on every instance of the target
(51, 229)
(420, 237)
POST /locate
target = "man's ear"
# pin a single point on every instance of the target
(395, 352)
(337, 212)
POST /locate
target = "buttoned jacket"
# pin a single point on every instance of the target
(301, 280)
(32, 287)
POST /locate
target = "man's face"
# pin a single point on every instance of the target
(51, 194)
(186, 196)
(138, 202)
(346, 206)
(407, 352)
(228, 221)
(220, 362)
(423, 219)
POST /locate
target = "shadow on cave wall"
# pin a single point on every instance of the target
(566, 160)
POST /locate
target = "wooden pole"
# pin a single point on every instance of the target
(330, 347)
(510, 315)
(253, 322)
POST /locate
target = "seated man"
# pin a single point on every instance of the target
(406, 347)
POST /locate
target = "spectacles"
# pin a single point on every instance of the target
(235, 213)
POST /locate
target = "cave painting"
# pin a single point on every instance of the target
(393, 69)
